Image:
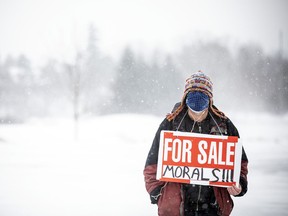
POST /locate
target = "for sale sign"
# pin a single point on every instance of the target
(199, 159)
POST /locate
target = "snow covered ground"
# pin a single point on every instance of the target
(43, 172)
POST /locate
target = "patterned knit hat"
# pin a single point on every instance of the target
(201, 83)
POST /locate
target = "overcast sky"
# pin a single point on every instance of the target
(56, 28)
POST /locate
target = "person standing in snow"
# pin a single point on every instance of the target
(195, 113)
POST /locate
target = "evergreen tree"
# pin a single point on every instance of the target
(156, 89)
(252, 64)
(126, 91)
(53, 89)
(97, 74)
(6, 93)
(171, 84)
(143, 88)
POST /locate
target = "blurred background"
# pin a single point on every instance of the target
(72, 58)
(75, 73)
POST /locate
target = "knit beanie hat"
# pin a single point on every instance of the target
(197, 82)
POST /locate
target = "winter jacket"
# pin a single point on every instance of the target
(169, 196)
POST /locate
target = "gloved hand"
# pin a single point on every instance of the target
(234, 190)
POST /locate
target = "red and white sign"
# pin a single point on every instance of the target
(202, 159)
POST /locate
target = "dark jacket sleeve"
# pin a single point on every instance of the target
(153, 186)
(232, 131)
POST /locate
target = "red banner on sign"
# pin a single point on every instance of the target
(199, 158)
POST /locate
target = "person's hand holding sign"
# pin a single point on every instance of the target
(234, 190)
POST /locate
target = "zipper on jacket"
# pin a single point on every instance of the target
(200, 187)
(199, 193)
(200, 128)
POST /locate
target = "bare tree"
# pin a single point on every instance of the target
(74, 76)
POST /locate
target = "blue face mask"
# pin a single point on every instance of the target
(197, 101)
